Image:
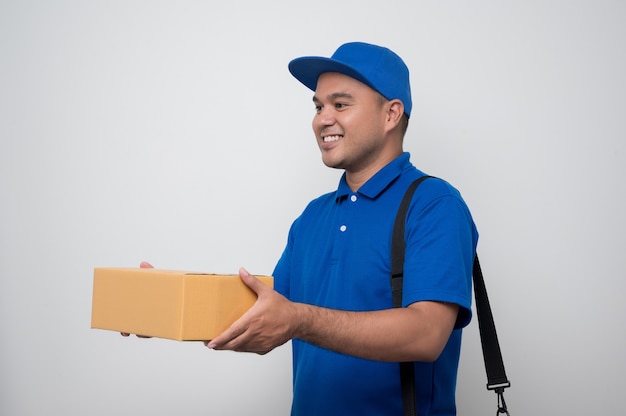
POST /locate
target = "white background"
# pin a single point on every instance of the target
(172, 132)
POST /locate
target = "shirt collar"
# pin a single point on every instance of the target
(377, 183)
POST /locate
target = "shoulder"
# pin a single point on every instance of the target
(434, 190)
(436, 186)
(438, 209)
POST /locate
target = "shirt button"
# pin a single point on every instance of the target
(353, 198)
(342, 228)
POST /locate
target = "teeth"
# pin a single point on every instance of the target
(331, 138)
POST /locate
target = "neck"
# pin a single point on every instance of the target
(356, 178)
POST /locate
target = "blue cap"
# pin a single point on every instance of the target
(376, 66)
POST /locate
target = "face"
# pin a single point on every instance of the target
(349, 124)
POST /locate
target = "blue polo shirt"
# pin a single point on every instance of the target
(338, 256)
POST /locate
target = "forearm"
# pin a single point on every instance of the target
(416, 333)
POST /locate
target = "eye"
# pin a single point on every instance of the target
(318, 108)
(340, 106)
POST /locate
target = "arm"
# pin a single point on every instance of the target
(416, 333)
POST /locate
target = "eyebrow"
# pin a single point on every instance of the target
(334, 96)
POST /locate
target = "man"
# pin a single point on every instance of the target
(333, 296)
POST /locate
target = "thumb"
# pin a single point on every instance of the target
(251, 281)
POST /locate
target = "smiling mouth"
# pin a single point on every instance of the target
(328, 139)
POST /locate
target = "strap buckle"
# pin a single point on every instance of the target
(502, 409)
(501, 404)
(499, 386)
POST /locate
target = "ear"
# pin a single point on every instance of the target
(395, 111)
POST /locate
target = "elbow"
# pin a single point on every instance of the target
(431, 353)
(434, 323)
(425, 351)
(430, 347)
(437, 345)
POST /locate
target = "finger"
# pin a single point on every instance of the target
(225, 338)
(126, 334)
(221, 341)
(252, 281)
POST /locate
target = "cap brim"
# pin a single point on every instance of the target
(308, 69)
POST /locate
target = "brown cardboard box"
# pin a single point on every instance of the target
(178, 305)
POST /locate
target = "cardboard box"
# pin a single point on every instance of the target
(177, 305)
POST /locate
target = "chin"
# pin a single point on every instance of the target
(332, 163)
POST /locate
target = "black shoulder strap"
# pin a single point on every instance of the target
(496, 375)
(494, 366)
(397, 243)
(407, 369)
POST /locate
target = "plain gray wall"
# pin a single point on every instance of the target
(172, 132)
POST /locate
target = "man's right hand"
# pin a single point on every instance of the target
(143, 265)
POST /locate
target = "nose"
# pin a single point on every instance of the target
(324, 117)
